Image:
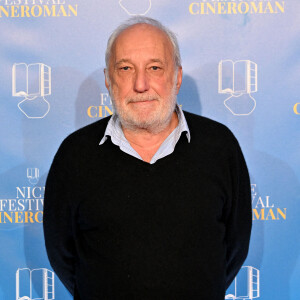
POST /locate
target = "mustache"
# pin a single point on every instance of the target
(139, 98)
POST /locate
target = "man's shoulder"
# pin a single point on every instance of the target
(211, 136)
(205, 127)
(89, 134)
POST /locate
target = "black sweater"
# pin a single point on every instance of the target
(119, 228)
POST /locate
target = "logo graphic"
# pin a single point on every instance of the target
(33, 83)
(246, 284)
(34, 284)
(226, 7)
(37, 9)
(296, 108)
(26, 205)
(33, 175)
(263, 207)
(136, 7)
(239, 80)
(103, 110)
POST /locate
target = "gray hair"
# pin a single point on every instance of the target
(143, 20)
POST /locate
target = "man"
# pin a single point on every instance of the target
(151, 203)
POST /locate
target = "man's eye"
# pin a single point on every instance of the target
(125, 68)
(155, 68)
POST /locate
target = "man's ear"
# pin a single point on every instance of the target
(106, 79)
(179, 79)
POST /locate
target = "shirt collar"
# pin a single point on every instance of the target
(114, 128)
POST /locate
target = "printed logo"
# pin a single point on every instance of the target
(296, 108)
(239, 80)
(37, 9)
(246, 284)
(33, 175)
(36, 284)
(232, 7)
(264, 209)
(27, 206)
(136, 7)
(32, 82)
(105, 108)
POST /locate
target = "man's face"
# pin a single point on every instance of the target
(143, 80)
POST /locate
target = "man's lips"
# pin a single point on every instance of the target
(141, 100)
(143, 104)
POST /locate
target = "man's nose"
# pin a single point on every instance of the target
(141, 82)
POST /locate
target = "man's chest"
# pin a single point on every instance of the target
(151, 196)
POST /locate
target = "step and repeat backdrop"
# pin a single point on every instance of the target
(241, 62)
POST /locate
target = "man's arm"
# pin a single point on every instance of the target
(58, 221)
(239, 220)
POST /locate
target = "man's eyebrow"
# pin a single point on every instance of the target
(156, 60)
(126, 60)
(123, 60)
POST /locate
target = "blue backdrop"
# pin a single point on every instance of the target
(241, 62)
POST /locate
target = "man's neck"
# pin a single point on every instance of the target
(146, 143)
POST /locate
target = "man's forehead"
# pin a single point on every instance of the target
(142, 35)
(142, 27)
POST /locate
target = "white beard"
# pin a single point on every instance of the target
(156, 121)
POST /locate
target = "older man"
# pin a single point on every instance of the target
(151, 203)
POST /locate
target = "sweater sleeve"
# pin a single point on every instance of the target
(57, 220)
(239, 220)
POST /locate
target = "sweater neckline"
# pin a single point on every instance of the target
(159, 163)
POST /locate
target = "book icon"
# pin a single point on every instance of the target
(239, 80)
(33, 175)
(136, 7)
(32, 82)
(36, 284)
(246, 284)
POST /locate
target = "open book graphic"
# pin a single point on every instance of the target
(238, 77)
(239, 80)
(31, 80)
(246, 284)
(33, 175)
(33, 83)
(36, 284)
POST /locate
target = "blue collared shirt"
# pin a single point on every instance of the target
(114, 130)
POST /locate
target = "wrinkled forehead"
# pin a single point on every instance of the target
(139, 37)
